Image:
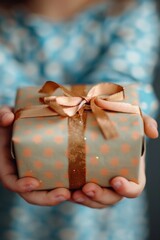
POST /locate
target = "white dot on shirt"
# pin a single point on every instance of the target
(127, 33)
(138, 72)
(54, 43)
(78, 41)
(133, 57)
(144, 106)
(148, 89)
(68, 54)
(142, 24)
(31, 69)
(52, 69)
(119, 64)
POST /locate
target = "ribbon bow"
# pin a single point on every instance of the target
(103, 96)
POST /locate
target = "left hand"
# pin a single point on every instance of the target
(95, 196)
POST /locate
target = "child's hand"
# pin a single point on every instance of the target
(8, 176)
(94, 196)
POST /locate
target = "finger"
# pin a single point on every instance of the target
(150, 127)
(101, 195)
(127, 188)
(22, 185)
(80, 198)
(47, 198)
(6, 116)
(9, 178)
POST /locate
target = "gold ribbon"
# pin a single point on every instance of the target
(101, 97)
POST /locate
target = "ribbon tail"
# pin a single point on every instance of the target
(117, 106)
(105, 124)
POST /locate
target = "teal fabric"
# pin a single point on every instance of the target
(92, 47)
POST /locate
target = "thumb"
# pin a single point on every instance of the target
(6, 116)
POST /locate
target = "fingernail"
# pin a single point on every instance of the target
(90, 194)
(4, 115)
(60, 198)
(116, 184)
(80, 200)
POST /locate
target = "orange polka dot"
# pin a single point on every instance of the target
(125, 148)
(104, 172)
(59, 185)
(38, 164)
(49, 131)
(124, 172)
(16, 139)
(16, 127)
(39, 126)
(28, 122)
(87, 148)
(66, 176)
(135, 135)
(94, 160)
(135, 123)
(27, 132)
(124, 128)
(94, 136)
(20, 163)
(59, 164)
(59, 139)
(27, 152)
(114, 161)
(62, 126)
(28, 173)
(123, 119)
(37, 139)
(94, 123)
(48, 152)
(114, 123)
(104, 148)
(135, 161)
(94, 180)
(48, 174)
(51, 121)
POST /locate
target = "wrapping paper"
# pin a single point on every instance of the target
(42, 144)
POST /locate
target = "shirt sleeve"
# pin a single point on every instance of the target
(130, 53)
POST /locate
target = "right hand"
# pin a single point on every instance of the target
(8, 174)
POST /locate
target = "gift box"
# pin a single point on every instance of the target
(69, 136)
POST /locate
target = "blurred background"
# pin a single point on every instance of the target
(153, 175)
